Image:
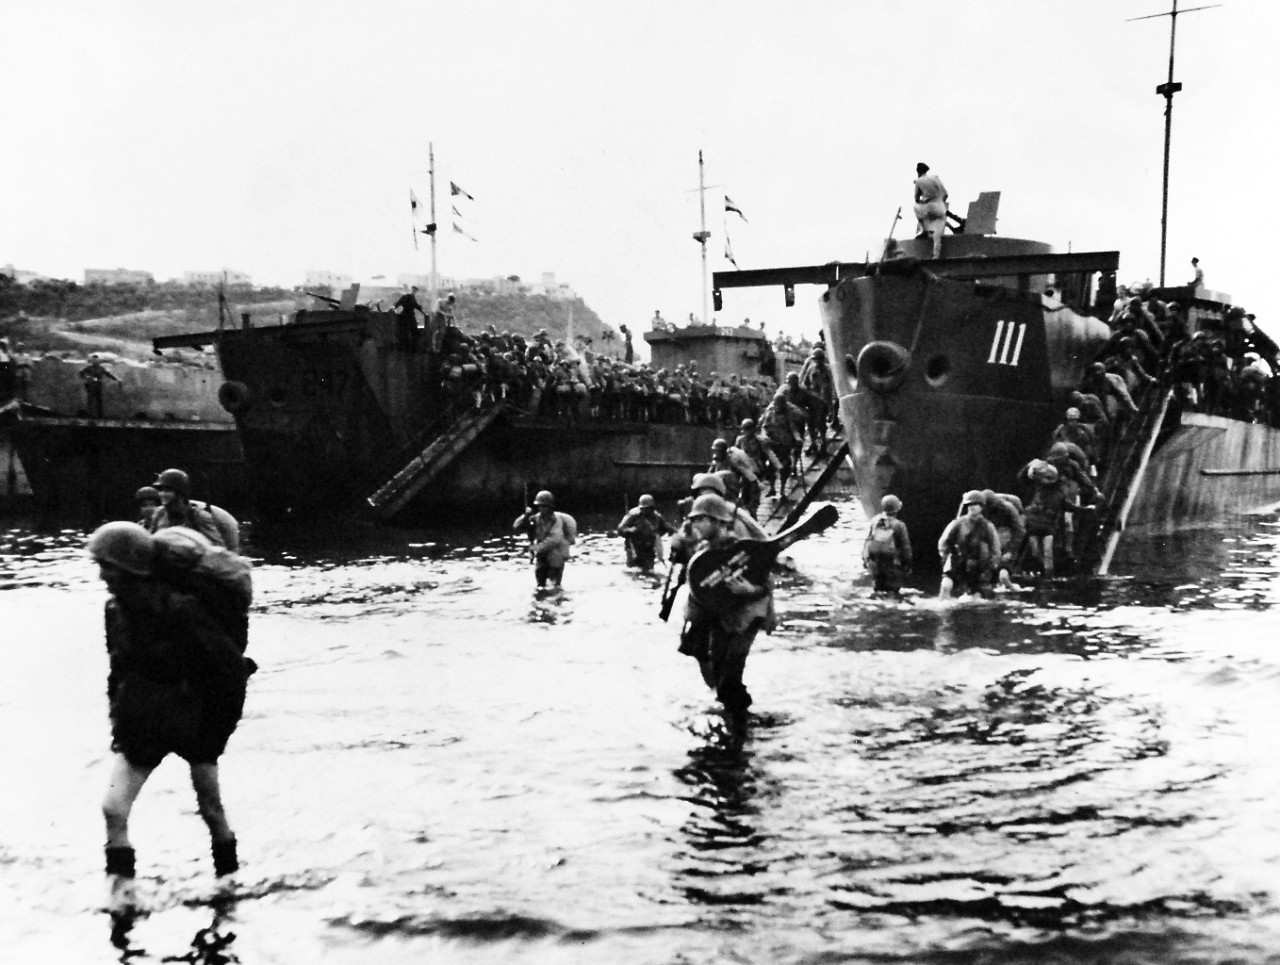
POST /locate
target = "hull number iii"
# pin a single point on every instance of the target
(1006, 346)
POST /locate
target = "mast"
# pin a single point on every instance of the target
(701, 237)
(435, 281)
(1167, 90)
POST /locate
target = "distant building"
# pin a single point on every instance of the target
(212, 279)
(117, 276)
(550, 288)
(332, 280)
(21, 276)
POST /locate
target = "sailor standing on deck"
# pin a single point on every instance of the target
(551, 534)
(407, 323)
(930, 207)
(93, 376)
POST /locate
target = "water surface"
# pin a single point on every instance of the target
(436, 766)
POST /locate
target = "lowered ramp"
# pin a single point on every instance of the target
(396, 493)
(813, 474)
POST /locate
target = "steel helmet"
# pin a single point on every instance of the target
(707, 480)
(147, 492)
(720, 444)
(713, 507)
(544, 498)
(126, 545)
(647, 502)
(748, 424)
(1073, 413)
(1046, 472)
(890, 504)
(174, 479)
(974, 497)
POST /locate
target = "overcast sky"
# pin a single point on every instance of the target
(280, 136)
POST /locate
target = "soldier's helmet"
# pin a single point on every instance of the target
(647, 502)
(890, 504)
(544, 498)
(174, 479)
(713, 507)
(126, 545)
(974, 497)
(707, 480)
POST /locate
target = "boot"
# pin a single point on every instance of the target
(225, 861)
(121, 897)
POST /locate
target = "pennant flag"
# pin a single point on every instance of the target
(461, 232)
(413, 203)
(728, 251)
(456, 211)
(455, 190)
(413, 217)
(730, 206)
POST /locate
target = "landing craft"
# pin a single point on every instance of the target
(953, 371)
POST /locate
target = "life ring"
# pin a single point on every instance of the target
(234, 396)
(882, 366)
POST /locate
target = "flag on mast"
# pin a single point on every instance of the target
(455, 190)
(463, 233)
(728, 250)
(730, 206)
(413, 217)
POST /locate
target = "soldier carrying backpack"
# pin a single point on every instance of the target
(887, 550)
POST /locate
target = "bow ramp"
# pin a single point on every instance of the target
(813, 473)
(396, 493)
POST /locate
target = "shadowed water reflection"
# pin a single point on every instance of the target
(436, 765)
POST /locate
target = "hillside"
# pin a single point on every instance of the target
(64, 317)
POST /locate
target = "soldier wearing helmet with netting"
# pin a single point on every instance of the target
(176, 685)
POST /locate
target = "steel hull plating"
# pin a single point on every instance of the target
(328, 410)
(1208, 469)
(946, 386)
(90, 468)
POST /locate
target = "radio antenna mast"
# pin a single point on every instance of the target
(1167, 90)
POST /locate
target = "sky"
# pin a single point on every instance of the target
(282, 136)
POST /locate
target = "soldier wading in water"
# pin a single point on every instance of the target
(721, 640)
(177, 678)
(551, 534)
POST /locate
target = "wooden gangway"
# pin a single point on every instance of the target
(813, 473)
(410, 479)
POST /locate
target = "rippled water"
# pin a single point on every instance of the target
(434, 766)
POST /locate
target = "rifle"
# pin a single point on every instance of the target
(669, 593)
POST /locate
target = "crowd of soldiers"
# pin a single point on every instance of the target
(553, 379)
(1228, 370)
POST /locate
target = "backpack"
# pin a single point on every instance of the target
(880, 543)
(220, 579)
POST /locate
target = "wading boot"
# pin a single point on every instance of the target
(225, 861)
(121, 895)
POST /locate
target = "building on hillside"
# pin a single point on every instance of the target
(20, 276)
(117, 276)
(550, 288)
(332, 280)
(212, 279)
